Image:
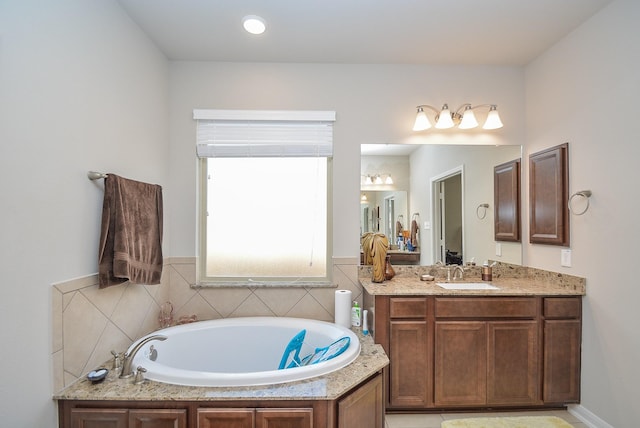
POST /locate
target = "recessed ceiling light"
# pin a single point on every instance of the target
(254, 24)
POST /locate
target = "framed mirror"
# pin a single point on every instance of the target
(416, 168)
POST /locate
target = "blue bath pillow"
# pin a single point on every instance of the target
(328, 352)
(293, 347)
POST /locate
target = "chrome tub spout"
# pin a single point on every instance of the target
(127, 362)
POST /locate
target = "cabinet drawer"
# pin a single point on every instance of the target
(562, 307)
(486, 307)
(408, 307)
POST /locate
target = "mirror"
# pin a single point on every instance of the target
(425, 176)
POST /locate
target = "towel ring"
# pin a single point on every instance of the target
(484, 211)
(586, 194)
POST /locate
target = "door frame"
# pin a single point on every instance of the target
(434, 187)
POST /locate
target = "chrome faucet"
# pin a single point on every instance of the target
(127, 360)
(456, 269)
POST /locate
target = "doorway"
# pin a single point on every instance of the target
(448, 209)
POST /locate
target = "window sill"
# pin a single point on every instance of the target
(259, 284)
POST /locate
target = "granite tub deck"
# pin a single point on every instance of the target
(511, 280)
(331, 386)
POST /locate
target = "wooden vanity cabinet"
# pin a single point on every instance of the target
(562, 349)
(363, 405)
(479, 352)
(408, 350)
(128, 418)
(486, 351)
(255, 418)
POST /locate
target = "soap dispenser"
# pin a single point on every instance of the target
(355, 315)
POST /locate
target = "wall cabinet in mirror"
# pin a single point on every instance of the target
(548, 196)
(506, 188)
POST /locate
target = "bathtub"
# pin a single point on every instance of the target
(240, 351)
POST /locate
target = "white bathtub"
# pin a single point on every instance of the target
(240, 351)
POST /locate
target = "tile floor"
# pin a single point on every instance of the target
(433, 420)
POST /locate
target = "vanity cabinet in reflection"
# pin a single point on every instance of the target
(400, 257)
(478, 352)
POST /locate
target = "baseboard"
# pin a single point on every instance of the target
(587, 417)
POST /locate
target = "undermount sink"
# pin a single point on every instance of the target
(466, 286)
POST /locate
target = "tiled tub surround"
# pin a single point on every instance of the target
(89, 322)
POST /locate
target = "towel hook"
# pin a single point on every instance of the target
(586, 194)
(484, 211)
(93, 175)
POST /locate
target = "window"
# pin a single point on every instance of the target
(264, 197)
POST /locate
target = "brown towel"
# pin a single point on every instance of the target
(379, 246)
(367, 241)
(414, 233)
(131, 233)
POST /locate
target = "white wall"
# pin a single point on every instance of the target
(374, 104)
(80, 88)
(585, 90)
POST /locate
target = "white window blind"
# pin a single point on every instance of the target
(263, 133)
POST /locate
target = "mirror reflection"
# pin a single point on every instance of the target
(445, 192)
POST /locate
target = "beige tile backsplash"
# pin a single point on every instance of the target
(89, 322)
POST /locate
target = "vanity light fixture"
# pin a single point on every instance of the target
(463, 116)
(377, 179)
(254, 24)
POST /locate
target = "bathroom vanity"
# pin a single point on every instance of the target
(351, 396)
(517, 346)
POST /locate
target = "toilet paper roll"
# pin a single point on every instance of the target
(342, 311)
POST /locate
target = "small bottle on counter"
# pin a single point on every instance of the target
(355, 315)
(487, 274)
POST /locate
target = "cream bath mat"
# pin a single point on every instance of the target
(508, 422)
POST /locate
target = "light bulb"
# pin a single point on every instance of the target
(468, 119)
(493, 119)
(444, 120)
(422, 121)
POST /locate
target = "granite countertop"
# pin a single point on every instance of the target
(331, 386)
(511, 281)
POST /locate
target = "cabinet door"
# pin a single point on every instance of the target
(225, 418)
(460, 363)
(99, 418)
(561, 361)
(284, 418)
(408, 367)
(363, 407)
(513, 367)
(158, 418)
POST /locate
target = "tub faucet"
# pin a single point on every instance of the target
(457, 269)
(127, 360)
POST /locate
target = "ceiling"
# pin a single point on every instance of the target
(448, 32)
